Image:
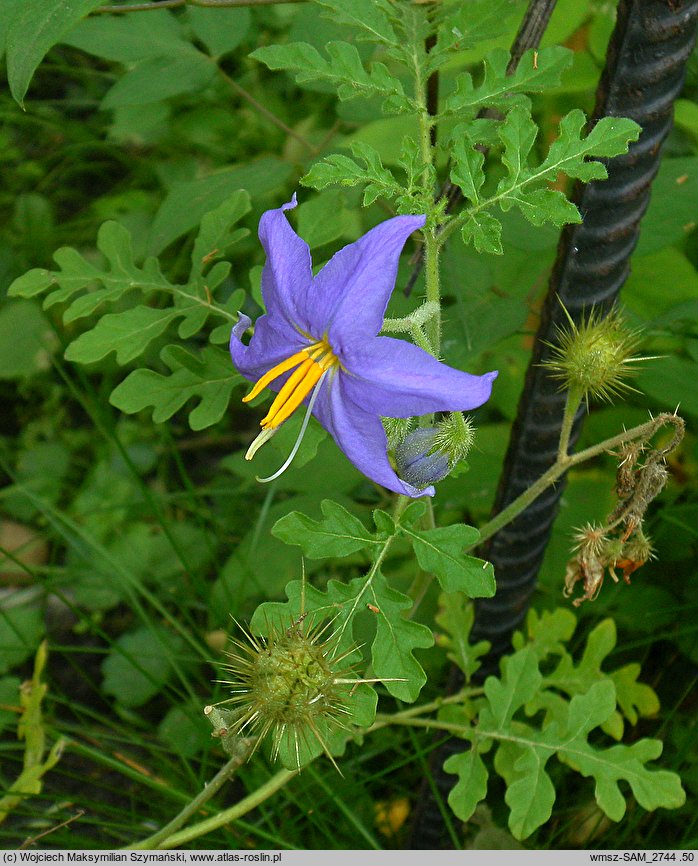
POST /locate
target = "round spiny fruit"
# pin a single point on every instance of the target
(594, 357)
(291, 685)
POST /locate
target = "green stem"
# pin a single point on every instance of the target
(422, 579)
(574, 398)
(264, 111)
(431, 244)
(433, 290)
(421, 339)
(176, 840)
(158, 840)
(384, 720)
(561, 465)
(400, 505)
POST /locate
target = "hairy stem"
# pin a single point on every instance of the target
(561, 465)
(433, 290)
(226, 772)
(431, 244)
(574, 398)
(387, 719)
(176, 840)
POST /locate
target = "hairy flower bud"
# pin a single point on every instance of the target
(416, 461)
(428, 454)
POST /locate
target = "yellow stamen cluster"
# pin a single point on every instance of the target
(309, 366)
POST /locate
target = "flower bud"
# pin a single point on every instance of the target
(428, 454)
(416, 462)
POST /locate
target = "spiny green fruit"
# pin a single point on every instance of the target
(291, 685)
(595, 357)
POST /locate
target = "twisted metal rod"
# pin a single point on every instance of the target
(644, 73)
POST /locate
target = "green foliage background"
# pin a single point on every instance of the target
(148, 147)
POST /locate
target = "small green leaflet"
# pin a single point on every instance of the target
(468, 167)
(209, 377)
(499, 90)
(370, 17)
(530, 792)
(574, 679)
(338, 533)
(85, 288)
(396, 639)
(635, 699)
(128, 334)
(476, 22)
(217, 232)
(366, 168)
(485, 231)
(343, 69)
(456, 617)
(519, 683)
(471, 786)
(547, 632)
(440, 551)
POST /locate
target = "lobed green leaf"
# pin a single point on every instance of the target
(217, 232)
(535, 72)
(471, 786)
(128, 334)
(338, 533)
(440, 551)
(519, 682)
(343, 69)
(209, 377)
(524, 186)
(366, 169)
(370, 17)
(392, 651)
(456, 617)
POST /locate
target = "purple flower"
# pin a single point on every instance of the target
(319, 340)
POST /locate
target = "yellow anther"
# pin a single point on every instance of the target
(309, 364)
(275, 372)
(288, 388)
(292, 402)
